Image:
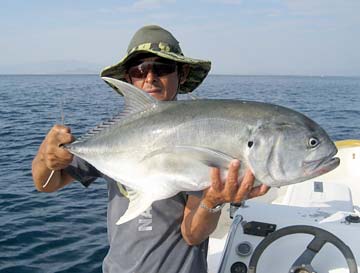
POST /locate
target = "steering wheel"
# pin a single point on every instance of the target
(303, 262)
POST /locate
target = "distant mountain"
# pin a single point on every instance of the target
(53, 67)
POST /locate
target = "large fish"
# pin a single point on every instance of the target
(158, 148)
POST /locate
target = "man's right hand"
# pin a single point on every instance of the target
(52, 157)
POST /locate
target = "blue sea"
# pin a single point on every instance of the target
(66, 231)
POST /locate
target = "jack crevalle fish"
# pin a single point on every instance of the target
(159, 148)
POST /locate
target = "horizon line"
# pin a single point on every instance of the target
(210, 74)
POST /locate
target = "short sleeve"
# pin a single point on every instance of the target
(198, 194)
(82, 171)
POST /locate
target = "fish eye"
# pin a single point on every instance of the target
(313, 142)
(250, 144)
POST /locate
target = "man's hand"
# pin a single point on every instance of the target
(199, 223)
(231, 190)
(52, 157)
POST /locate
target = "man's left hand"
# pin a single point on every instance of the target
(231, 190)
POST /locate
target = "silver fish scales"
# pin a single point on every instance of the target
(158, 148)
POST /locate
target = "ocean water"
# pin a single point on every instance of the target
(66, 231)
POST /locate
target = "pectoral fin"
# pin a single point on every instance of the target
(209, 157)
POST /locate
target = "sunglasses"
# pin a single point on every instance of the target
(141, 70)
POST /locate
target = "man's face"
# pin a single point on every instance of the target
(156, 76)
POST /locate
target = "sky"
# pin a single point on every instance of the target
(245, 37)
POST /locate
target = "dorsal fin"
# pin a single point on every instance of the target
(100, 127)
(136, 100)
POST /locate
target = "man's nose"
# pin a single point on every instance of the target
(151, 76)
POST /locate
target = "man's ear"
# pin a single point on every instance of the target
(185, 69)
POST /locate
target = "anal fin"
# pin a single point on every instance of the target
(138, 203)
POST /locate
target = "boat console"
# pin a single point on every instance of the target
(312, 226)
(293, 240)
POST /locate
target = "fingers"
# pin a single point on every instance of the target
(216, 182)
(60, 135)
(258, 191)
(232, 190)
(55, 162)
(246, 186)
(54, 156)
(220, 191)
(232, 185)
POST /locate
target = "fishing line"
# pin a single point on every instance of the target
(49, 178)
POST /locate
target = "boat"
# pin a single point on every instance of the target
(312, 226)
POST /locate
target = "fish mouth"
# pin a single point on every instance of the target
(321, 166)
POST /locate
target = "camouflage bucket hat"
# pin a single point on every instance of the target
(160, 42)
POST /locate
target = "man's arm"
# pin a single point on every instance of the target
(198, 222)
(51, 156)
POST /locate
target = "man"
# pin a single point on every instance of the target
(172, 235)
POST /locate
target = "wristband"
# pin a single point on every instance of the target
(216, 209)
